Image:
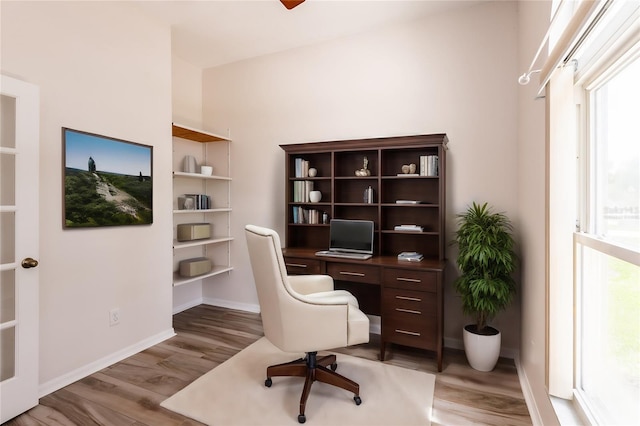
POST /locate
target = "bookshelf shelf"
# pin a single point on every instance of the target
(199, 176)
(197, 243)
(217, 270)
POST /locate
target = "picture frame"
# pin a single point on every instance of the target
(106, 181)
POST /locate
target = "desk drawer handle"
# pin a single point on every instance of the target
(408, 311)
(355, 274)
(412, 299)
(410, 333)
(296, 265)
(409, 280)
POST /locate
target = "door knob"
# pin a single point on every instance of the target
(28, 262)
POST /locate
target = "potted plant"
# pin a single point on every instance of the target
(486, 260)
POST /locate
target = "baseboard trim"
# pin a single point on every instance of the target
(450, 343)
(529, 399)
(188, 305)
(374, 324)
(247, 307)
(93, 367)
(453, 343)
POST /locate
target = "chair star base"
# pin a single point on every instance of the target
(313, 369)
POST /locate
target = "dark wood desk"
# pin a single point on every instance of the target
(407, 296)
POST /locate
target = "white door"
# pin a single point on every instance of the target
(19, 134)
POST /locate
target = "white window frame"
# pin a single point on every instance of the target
(622, 51)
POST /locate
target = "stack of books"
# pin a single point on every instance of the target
(199, 202)
(428, 165)
(410, 256)
(410, 228)
(309, 216)
(302, 167)
(301, 190)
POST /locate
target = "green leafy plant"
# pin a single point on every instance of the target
(486, 260)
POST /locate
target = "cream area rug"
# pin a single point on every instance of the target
(234, 393)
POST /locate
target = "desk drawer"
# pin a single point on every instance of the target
(354, 272)
(418, 303)
(406, 332)
(409, 317)
(301, 266)
(410, 279)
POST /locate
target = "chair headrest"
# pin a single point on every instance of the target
(265, 232)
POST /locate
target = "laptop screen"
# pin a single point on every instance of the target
(353, 236)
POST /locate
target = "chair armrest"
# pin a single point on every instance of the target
(335, 297)
(307, 284)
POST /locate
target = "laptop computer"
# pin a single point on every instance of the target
(350, 239)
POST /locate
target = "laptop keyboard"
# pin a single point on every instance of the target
(329, 253)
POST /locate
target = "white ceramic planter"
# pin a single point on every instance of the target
(482, 351)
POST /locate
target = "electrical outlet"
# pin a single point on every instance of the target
(114, 316)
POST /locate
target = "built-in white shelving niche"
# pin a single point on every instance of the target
(212, 150)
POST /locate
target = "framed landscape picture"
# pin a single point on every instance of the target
(107, 181)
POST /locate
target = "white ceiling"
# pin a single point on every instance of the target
(209, 33)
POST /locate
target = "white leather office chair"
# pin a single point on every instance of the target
(303, 314)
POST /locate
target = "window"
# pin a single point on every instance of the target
(593, 233)
(615, 166)
(608, 247)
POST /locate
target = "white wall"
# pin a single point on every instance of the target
(186, 92)
(187, 110)
(455, 73)
(102, 67)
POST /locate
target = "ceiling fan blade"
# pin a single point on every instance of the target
(290, 4)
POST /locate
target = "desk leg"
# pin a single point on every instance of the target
(383, 349)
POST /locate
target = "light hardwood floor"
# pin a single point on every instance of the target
(129, 392)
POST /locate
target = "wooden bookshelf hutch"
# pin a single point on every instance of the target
(408, 296)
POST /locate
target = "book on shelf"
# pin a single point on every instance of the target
(198, 202)
(428, 165)
(412, 228)
(301, 190)
(306, 216)
(410, 256)
(408, 174)
(302, 167)
(408, 202)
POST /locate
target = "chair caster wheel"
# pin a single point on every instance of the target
(334, 366)
(357, 400)
(268, 382)
(302, 418)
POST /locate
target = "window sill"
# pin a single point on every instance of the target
(566, 412)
